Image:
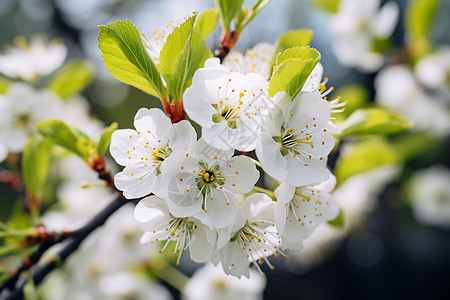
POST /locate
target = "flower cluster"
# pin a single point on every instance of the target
(194, 184)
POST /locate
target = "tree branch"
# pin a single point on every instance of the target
(76, 238)
(228, 40)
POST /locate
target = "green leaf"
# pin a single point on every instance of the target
(173, 60)
(69, 138)
(228, 10)
(338, 221)
(71, 79)
(198, 53)
(4, 85)
(207, 22)
(364, 156)
(292, 70)
(105, 138)
(127, 59)
(246, 15)
(19, 219)
(35, 163)
(374, 121)
(415, 144)
(330, 6)
(293, 38)
(419, 18)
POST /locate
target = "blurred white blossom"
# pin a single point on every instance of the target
(397, 88)
(21, 108)
(211, 283)
(28, 62)
(356, 28)
(430, 196)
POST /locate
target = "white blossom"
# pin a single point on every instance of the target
(397, 88)
(21, 108)
(154, 217)
(430, 195)
(210, 282)
(299, 210)
(356, 27)
(295, 143)
(251, 238)
(255, 60)
(433, 71)
(144, 150)
(76, 113)
(203, 183)
(229, 106)
(356, 197)
(27, 62)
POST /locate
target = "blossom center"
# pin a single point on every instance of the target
(22, 120)
(291, 140)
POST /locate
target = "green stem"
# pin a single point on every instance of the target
(269, 193)
(256, 162)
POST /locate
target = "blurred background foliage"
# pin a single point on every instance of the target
(396, 257)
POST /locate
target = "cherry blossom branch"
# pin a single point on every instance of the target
(47, 240)
(75, 240)
(228, 40)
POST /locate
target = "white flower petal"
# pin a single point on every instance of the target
(305, 171)
(234, 260)
(135, 182)
(241, 175)
(221, 207)
(153, 124)
(200, 245)
(182, 136)
(259, 207)
(151, 213)
(385, 21)
(269, 155)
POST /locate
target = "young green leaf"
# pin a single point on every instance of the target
(105, 138)
(206, 22)
(228, 10)
(127, 59)
(69, 138)
(374, 121)
(415, 144)
(4, 85)
(36, 163)
(246, 15)
(420, 15)
(198, 53)
(292, 70)
(71, 79)
(330, 6)
(364, 156)
(173, 60)
(301, 52)
(293, 38)
(419, 18)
